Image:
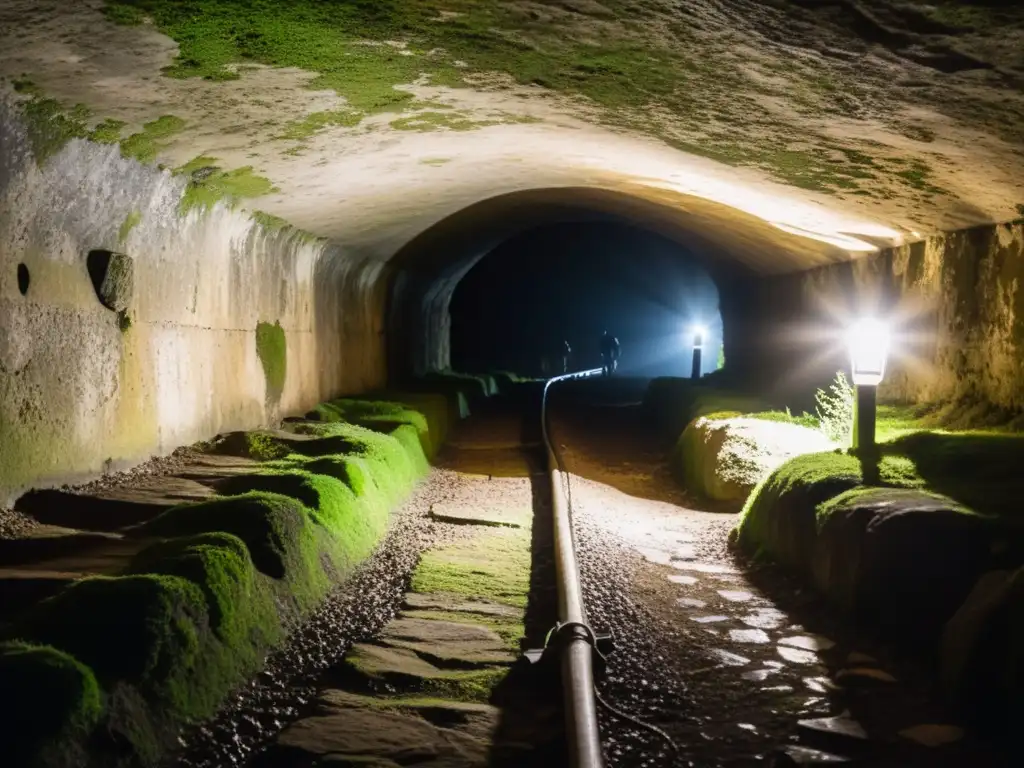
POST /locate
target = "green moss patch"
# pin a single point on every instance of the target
(208, 184)
(145, 145)
(272, 348)
(53, 700)
(492, 567)
(131, 221)
(981, 470)
(779, 517)
(196, 611)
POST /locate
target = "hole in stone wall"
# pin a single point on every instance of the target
(23, 279)
(113, 278)
(97, 262)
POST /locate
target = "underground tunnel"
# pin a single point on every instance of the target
(295, 466)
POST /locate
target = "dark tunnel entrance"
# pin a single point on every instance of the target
(724, 253)
(568, 282)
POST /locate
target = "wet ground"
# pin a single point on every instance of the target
(737, 664)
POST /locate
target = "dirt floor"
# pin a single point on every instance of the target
(737, 664)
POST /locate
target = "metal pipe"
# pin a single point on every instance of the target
(577, 654)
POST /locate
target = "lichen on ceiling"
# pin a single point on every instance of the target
(852, 122)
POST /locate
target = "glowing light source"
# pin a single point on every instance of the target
(868, 341)
(699, 333)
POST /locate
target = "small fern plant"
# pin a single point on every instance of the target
(835, 410)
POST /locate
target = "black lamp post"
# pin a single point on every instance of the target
(698, 343)
(869, 347)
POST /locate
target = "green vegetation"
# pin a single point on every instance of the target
(53, 700)
(272, 348)
(195, 612)
(50, 126)
(652, 83)
(299, 130)
(131, 221)
(435, 161)
(453, 121)
(835, 410)
(208, 184)
(145, 145)
(107, 132)
(778, 519)
(491, 567)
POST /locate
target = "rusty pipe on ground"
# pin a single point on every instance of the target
(575, 646)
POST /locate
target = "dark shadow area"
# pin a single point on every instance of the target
(982, 471)
(530, 696)
(613, 439)
(23, 279)
(565, 284)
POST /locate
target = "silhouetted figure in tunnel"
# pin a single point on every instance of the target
(609, 354)
(566, 352)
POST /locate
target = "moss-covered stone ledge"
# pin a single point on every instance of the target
(912, 553)
(107, 671)
(723, 456)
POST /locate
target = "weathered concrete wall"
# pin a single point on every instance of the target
(956, 305)
(78, 393)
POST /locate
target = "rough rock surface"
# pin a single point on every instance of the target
(904, 559)
(981, 651)
(723, 459)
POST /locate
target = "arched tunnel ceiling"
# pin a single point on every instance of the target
(786, 133)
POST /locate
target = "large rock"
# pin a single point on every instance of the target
(724, 459)
(982, 651)
(904, 559)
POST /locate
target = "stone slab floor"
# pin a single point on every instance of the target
(443, 684)
(737, 665)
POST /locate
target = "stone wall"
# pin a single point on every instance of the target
(84, 387)
(957, 311)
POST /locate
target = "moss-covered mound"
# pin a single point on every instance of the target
(52, 702)
(905, 559)
(981, 470)
(428, 413)
(903, 556)
(722, 457)
(779, 520)
(134, 656)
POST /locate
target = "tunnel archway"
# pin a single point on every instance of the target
(562, 285)
(733, 246)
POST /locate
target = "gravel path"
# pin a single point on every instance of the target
(355, 611)
(358, 609)
(726, 658)
(14, 524)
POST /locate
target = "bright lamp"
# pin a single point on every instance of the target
(868, 341)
